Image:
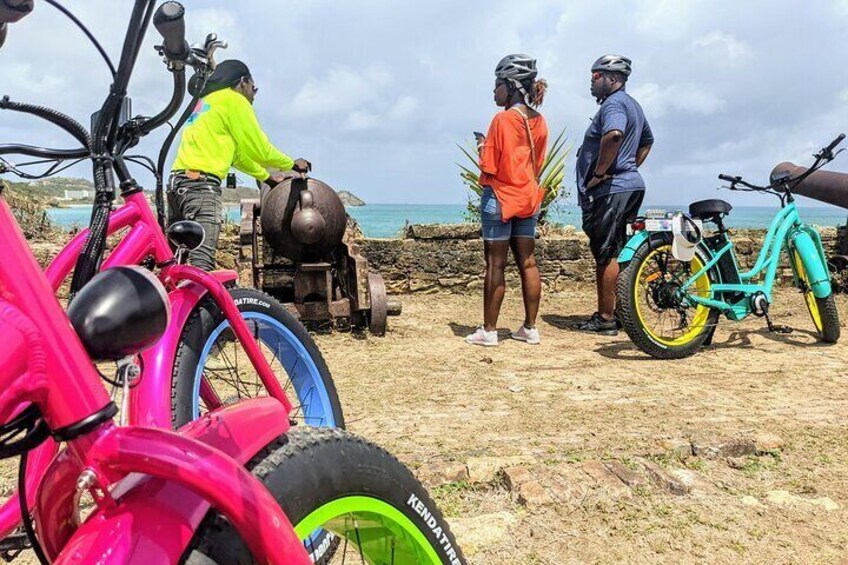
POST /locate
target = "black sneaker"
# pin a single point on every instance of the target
(598, 325)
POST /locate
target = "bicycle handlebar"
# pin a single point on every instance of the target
(781, 183)
(44, 152)
(835, 142)
(169, 21)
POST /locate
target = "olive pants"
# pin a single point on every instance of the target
(198, 200)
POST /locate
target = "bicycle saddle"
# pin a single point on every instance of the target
(120, 312)
(709, 209)
(186, 233)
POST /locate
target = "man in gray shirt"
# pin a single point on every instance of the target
(610, 187)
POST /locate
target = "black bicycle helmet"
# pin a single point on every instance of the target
(517, 68)
(613, 64)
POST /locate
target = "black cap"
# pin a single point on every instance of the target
(226, 75)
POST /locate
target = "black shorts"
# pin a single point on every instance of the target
(605, 222)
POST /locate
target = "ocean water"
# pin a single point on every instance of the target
(387, 220)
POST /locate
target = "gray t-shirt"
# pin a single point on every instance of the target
(618, 112)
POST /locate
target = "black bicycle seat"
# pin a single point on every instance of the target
(709, 209)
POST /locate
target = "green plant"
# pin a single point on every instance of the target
(551, 178)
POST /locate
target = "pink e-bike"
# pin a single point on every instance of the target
(152, 489)
(197, 366)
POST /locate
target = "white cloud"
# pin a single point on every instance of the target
(361, 120)
(395, 116)
(403, 108)
(664, 19)
(659, 101)
(341, 90)
(722, 45)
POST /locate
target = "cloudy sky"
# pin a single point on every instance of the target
(377, 93)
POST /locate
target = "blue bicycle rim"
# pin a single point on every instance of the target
(303, 374)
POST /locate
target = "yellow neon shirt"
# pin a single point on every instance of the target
(223, 132)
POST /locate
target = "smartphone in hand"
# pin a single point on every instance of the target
(479, 136)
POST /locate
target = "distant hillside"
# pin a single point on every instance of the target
(52, 191)
(350, 199)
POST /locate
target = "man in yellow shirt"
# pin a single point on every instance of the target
(222, 132)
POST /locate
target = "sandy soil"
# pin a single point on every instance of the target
(557, 409)
(430, 398)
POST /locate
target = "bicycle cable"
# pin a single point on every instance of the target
(25, 516)
(87, 33)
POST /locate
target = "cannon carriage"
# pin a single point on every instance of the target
(297, 239)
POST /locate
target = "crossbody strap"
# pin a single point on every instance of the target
(530, 140)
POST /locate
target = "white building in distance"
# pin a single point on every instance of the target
(77, 194)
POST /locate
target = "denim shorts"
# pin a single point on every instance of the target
(495, 229)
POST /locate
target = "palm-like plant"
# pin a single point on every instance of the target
(550, 179)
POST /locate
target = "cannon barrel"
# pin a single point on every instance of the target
(302, 219)
(825, 186)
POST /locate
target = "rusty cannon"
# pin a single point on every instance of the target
(830, 187)
(297, 240)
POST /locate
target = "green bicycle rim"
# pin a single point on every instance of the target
(382, 533)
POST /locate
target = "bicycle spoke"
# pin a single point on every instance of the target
(358, 540)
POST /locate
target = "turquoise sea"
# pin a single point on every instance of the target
(387, 220)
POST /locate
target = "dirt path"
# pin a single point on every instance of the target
(560, 409)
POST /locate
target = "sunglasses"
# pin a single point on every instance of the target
(597, 75)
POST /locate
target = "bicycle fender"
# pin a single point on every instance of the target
(150, 399)
(809, 248)
(633, 244)
(155, 520)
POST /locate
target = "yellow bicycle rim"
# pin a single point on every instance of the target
(670, 337)
(809, 297)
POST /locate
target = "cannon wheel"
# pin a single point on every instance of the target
(379, 304)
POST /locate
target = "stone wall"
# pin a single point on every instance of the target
(450, 258)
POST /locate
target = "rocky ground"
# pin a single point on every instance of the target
(583, 449)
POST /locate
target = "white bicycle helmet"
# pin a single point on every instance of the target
(686, 235)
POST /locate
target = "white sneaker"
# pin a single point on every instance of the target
(527, 335)
(482, 337)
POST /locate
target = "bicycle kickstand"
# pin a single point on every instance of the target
(776, 328)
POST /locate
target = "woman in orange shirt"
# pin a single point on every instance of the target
(511, 157)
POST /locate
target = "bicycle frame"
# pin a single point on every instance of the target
(150, 401)
(44, 363)
(785, 230)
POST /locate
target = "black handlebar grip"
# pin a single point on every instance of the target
(170, 23)
(727, 178)
(836, 142)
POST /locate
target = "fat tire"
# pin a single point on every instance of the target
(309, 467)
(202, 322)
(626, 304)
(829, 318)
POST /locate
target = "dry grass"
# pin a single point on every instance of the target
(426, 396)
